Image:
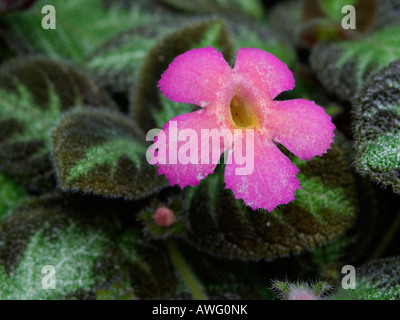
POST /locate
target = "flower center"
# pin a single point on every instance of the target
(241, 113)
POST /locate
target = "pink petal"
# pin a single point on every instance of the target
(197, 165)
(195, 76)
(301, 126)
(266, 72)
(271, 182)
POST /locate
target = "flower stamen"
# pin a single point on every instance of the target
(241, 113)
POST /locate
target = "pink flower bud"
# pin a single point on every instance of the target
(164, 217)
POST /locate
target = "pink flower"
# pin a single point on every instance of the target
(238, 99)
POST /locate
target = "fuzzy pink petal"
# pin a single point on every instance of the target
(184, 174)
(195, 76)
(304, 128)
(271, 182)
(267, 73)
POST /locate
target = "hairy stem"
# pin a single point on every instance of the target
(185, 271)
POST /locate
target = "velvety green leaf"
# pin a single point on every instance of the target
(36, 237)
(354, 246)
(325, 208)
(95, 253)
(101, 152)
(99, 253)
(250, 7)
(115, 63)
(247, 33)
(149, 267)
(377, 128)
(146, 100)
(344, 67)
(77, 33)
(376, 280)
(11, 195)
(33, 94)
(71, 251)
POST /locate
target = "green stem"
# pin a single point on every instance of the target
(185, 271)
(386, 239)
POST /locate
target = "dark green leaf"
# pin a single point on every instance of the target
(101, 152)
(248, 33)
(352, 247)
(77, 33)
(325, 208)
(377, 128)
(116, 63)
(98, 253)
(33, 94)
(95, 253)
(344, 67)
(11, 196)
(377, 280)
(37, 237)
